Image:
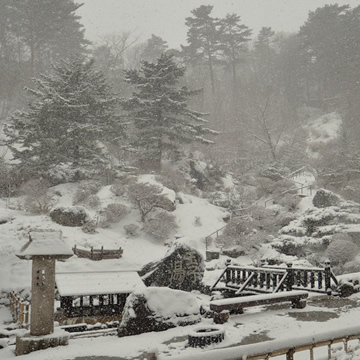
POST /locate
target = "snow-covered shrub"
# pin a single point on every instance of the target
(37, 199)
(274, 172)
(342, 249)
(268, 187)
(264, 186)
(314, 218)
(284, 219)
(90, 227)
(118, 188)
(288, 201)
(92, 201)
(161, 226)
(131, 229)
(115, 212)
(290, 245)
(72, 216)
(351, 190)
(173, 179)
(352, 266)
(86, 188)
(237, 227)
(219, 198)
(263, 219)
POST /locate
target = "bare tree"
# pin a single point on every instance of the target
(264, 123)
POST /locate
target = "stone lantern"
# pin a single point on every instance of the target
(43, 248)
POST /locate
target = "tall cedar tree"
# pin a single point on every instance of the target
(160, 111)
(70, 120)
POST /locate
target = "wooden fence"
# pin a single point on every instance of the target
(272, 279)
(98, 254)
(20, 310)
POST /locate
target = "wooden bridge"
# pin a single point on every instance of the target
(272, 279)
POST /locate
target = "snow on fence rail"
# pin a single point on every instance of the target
(98, 254)
(287, 347)
(20, 310)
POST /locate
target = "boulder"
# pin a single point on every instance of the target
(346, 289)
(158, 309)
(325, 198)
(182, 268)
(71, 216)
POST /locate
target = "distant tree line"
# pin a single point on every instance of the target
(256, 89)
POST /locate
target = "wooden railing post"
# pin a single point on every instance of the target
(328, 277)
(289, 277)
(290, 354)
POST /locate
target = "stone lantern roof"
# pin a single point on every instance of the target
(47, 244)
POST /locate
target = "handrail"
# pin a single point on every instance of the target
(272, 348)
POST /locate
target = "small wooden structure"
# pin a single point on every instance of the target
(98, 254)
(95, 294)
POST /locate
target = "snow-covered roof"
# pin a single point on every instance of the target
(97, 283)
(45, 243)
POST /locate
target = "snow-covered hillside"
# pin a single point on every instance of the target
(138, 250)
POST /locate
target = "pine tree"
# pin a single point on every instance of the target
(160, 111)
(70, 121)
(233, 39)
(203, 40)
(154, 47)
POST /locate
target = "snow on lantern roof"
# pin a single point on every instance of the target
(45, 243)
(98, 283)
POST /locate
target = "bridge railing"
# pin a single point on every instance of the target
(272, 279)
(285, 347)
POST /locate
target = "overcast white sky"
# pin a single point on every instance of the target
(166, 18)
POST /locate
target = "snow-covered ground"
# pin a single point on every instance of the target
(196, 219)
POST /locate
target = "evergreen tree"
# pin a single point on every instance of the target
(155, 46)
(160, 111)
(49, 29)
(70, 120)
(233, 39)
(203, 40)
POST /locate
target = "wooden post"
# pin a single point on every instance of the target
(329, 350)
(102, 253)
(289, 277)
(290, 354)
(328, 277)
(320, 279)
(311, 353)
(27, 315)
